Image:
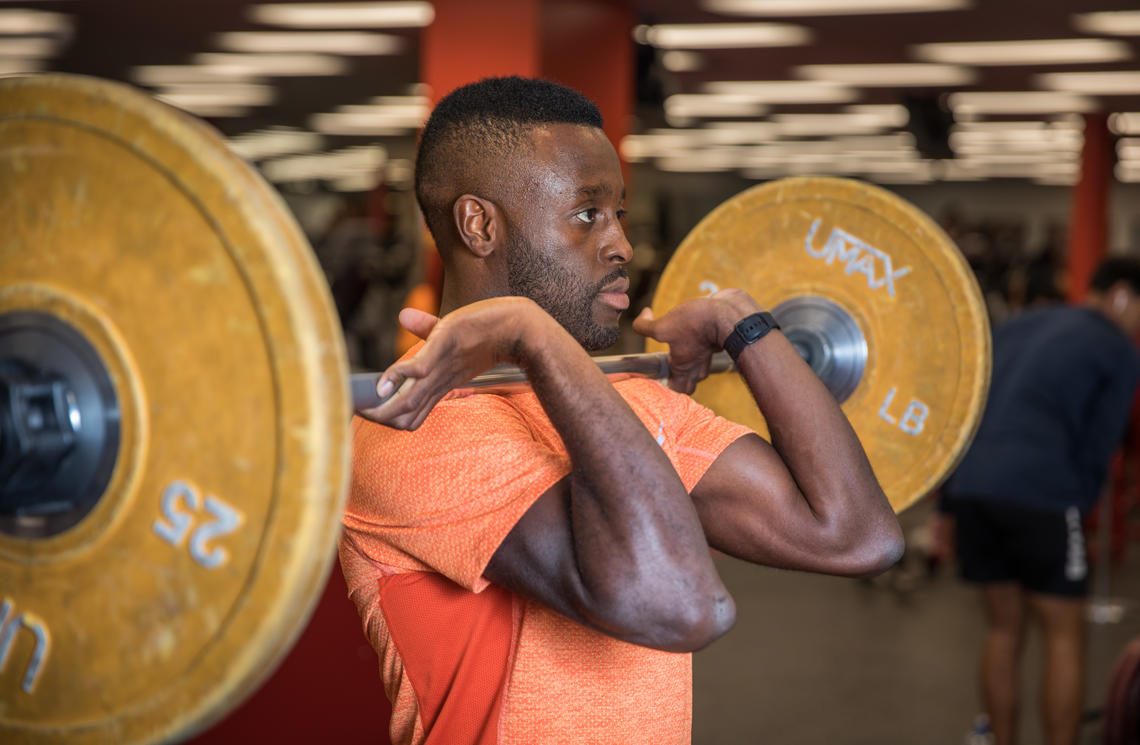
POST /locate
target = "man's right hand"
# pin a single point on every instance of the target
(459, 346)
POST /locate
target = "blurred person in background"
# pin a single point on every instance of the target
(1063, 381)
(367, 265)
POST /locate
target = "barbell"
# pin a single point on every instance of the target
(174, 448)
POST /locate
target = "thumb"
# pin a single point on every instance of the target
(645, 322)
(418, 322)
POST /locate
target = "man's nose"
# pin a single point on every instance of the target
(616, 249)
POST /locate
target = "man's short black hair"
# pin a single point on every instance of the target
(1115, 269)
(474, 130)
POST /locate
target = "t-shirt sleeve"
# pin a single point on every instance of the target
(443, 498)
(701, 438)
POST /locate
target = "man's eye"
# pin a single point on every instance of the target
(588, 216)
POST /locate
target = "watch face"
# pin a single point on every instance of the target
(755, 327)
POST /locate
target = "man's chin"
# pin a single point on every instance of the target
(600, 337)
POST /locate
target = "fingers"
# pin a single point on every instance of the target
(685, 380)
(408, 390)
(418, 322)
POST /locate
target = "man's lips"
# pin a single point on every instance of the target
(614, 294)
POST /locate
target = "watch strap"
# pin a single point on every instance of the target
(749, 331)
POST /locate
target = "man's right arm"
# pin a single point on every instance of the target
(616, 544)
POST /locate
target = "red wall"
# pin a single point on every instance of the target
(327, 690)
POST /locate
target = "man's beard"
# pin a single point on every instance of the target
(562, 294)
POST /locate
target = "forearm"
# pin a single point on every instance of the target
(809, 500)
(812, 435)
(638, 545)
(838, 494)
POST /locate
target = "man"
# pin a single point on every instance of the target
(1063, 381)
(535, 568)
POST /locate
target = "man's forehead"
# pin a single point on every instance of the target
(576, 159)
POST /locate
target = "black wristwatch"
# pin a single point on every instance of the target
(750, 330)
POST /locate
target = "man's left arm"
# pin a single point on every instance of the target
(809, 500)
(1108, 415)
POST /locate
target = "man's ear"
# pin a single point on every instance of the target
(479, 223)
(1119, 294)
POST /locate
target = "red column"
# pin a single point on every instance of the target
(1088, 224)
(584, 44)
(471, 40)
(587, 46)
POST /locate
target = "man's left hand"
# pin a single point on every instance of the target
(694, 331)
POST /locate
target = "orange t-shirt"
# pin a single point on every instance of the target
(462, 660)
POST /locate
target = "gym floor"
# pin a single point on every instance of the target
(825, 661)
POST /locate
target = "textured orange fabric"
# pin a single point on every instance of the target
(436, 503)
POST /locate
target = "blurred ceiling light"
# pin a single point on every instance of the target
(399, 171)
(723, 35)
(1124, 123)
(677, 60)
(1021, 158)
(344, 15)
(1013, 130)
(1018, 102)
(740, 133)
(368, 120)
(337, 164)
(890, 114)
(890, 75)
(363, 181)
(828, 7)
(406, 115)
(695, 164)
(783, 91)
(1028, 52)
(811, 125)
(20, 65)
(1126, 173)
(963, 145)
(682, 106)
(327, 42)
(419, 104)
(658, 143)
(159, 75)
(384, 116)
(1110, 23)
(1019, 124)
(275, 142)
(961, 170)
(35, 47)
(207, 95)
(18, 21)
(1107, 83)
(273, 65)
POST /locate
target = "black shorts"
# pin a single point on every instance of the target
(1043, 551)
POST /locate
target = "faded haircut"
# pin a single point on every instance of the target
(1113, 270)
(468, 143)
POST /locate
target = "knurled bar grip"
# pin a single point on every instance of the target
(510, 377)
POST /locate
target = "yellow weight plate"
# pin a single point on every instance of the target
(894, 274)
(188, 581)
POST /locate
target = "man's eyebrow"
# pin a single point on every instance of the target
(597, 190)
